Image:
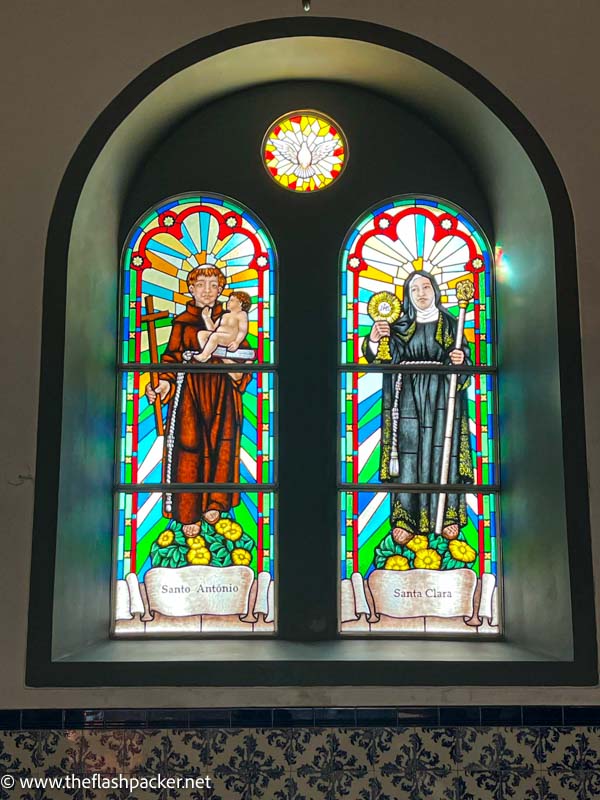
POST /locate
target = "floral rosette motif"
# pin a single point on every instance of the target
(461, 551)
(229, 529)
(417, 543)
(396, 563)
(241, 557)
(427, 559)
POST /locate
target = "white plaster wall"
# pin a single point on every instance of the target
(62, 62)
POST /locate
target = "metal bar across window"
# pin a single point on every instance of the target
(417, 488)
(196, 367)
(444, 368)
(195, 487)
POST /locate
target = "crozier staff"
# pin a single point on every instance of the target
(415, 409)
(204, 421)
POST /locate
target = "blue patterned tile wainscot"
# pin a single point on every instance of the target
(460, 715)
(293, 717)
(407, 716)
(427, 716)
(376, 717)
(501, 715)
(542, 715)
(582, 715)
(168, 718)
(332, 765)
(42, 718)
(252, 717)
(335, 717)
(210, 717)
(126, 718)
(10, 720)
(78, 718)
(316, 763)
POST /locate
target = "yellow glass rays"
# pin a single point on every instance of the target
(304, 151)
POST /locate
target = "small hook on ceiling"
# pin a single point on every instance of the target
(306, 5)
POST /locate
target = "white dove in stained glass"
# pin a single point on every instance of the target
(306, 160)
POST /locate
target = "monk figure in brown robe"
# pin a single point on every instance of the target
(205, 436)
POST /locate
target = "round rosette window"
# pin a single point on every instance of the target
(305, 151)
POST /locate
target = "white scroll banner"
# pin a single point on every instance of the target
(263, 603)
(423, 593)
(136, 602)
(354, 601)
(486, 605)
(122, 601)
(193, 590)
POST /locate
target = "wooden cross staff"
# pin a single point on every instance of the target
(150, 319)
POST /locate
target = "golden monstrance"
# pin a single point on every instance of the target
(384, 307)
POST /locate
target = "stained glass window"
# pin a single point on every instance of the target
(196, 468)
(418, 450)
(304, 151)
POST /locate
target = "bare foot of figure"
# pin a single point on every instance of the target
(450, 532)
(191, 530)
(401, 536)
(212, 516)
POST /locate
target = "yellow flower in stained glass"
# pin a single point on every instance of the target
(223, 525)
(241, 557)
(166, 538)
(397, 563)
(229, 529)
(197, 542)
(417, 543)
(198, 556)
(304, 151)
(235, 532)
(462, 551)
(427, 559)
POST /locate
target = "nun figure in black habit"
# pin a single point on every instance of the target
(411, 449)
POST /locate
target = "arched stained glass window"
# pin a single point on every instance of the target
(418, 432)
(196, 464)
(403, 570)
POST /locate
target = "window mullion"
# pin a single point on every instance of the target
(307, 510)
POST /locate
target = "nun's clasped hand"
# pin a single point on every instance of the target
(379, 330)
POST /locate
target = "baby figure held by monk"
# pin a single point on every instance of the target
(229, 330)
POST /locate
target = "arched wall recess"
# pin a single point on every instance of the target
(533, 224)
